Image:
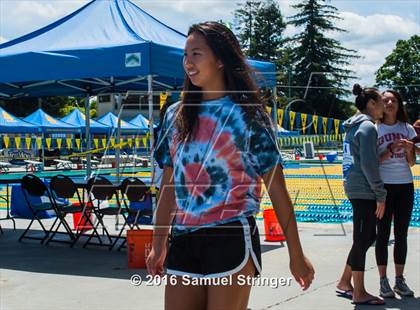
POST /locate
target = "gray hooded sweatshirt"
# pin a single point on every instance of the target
(360, 160)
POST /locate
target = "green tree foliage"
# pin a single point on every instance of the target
(66, 109)
(319, 59)
(259, 25)
(269, 26)
(245, 16)
(401, 71)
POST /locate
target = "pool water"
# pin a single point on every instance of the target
(316, 190)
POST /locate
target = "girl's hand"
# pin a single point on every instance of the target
(396, 146)
(407, 145)
(155, 260)
(302, 270)
(380, 209)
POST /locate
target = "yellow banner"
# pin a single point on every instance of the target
(112, 140)
(130, 142)
(163, 97)
(292, 116)
(96, 143)
(336, 125)
(68, 142)
(39, 142)
(103, 142)
(303, 117)
(6, 140)
(48, 142)
(59, 141)
(268, 110)
(78, 143)
(17, 142)
(137, 141)
(280, 116)
(324, 124)
(144, 140)
(315, 121)
(28, 143)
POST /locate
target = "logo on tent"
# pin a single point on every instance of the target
(8, 118)
(132, 60)
(51, 120)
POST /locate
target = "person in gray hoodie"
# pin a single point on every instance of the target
(364, 188)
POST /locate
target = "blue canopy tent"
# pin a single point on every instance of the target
(111, 121)
(78, 119)
(12, 124)
(105, 46)
(48, 124)
(110, 46)
(141, 122)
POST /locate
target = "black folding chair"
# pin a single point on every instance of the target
(133, 190)
(33, 186)
(63, 188)
(100, 189)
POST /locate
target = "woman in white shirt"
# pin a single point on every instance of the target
(396, 157)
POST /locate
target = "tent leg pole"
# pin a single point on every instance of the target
(275, 110)
(118, 148)
(152, 136)
(87, 136)
(43, 151)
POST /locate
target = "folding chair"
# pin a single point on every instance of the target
(133, 192)
(99, 190)
(63, 188)
(33, 187)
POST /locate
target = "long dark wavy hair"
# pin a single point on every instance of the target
(240, 84)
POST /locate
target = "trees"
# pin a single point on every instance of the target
(259, 26)
(401, 71)
(269, 26)
(319, 60)
(245, 16)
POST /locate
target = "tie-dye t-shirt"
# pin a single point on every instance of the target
(217, 175)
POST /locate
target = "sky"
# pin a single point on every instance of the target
(373, 26)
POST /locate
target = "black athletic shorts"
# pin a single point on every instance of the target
(217, 251)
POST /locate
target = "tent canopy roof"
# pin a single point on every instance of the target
(141, 122)
(105, 46)
(49, 124)
(78, 119)
(12, 124)
(111, 120)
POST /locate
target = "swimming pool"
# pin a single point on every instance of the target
(316, 190)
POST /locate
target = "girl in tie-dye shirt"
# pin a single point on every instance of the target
(217, 145)
(217, 176)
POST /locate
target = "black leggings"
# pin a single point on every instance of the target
(399, 204)
(364, 232)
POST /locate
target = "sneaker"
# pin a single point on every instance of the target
(402, 288)
(386, 290)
